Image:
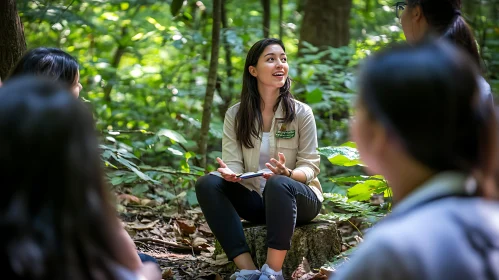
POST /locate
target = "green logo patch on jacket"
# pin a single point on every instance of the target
(285, 134)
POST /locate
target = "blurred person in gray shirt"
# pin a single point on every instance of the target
(420, 122)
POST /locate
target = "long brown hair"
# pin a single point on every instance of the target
(249, 109)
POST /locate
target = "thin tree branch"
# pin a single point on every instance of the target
(173, 172)
(171, 244)
(140, 131)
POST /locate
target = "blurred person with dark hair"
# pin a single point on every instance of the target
(441, 18)
(425, 130)
(57, 220)
(57, 65)
(52, 63)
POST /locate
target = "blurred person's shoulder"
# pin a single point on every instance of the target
(433, 240)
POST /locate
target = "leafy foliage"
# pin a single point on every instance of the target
(344, 155)
(364, 187)
(144, 63)
(341, 209)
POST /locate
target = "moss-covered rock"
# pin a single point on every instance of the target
(318, 242)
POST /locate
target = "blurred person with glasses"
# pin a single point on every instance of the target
(441, 19)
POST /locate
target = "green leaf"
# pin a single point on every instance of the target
(175, 151)
(192, 198)
(140, 189)
(349, 179)
(342, 155)
(166, 194)
(184, 165)
(350, 144)
(137, 172)
(176, 6)
(363, 191)
(116, 180)
(106, 154)
(172, 135)
(315, 96)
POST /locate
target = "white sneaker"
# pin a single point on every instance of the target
(245, 274)
(269, 274)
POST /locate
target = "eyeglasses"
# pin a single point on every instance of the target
(399, 8)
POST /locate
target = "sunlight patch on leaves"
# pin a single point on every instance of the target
(173, 135)
(342, 155)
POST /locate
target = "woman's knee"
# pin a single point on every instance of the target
(277, 185)
(207, 184)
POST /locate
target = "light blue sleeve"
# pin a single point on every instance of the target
(377, 259)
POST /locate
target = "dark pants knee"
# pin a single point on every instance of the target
(278, 187)
(206, 184)
(223, 203)
(207, 187)
(287, 202)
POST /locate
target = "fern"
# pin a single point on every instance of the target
(341, 209)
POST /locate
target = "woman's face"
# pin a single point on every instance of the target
(271, 70)
(364, 131)
(413, 23)
(76, 87)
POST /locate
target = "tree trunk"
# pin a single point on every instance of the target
(212, 82)
(266, 18)
(12, 42)
(325, 23)
(368, 7)
(281, 14)
(318, 242)
(118, 54)
(226, 96)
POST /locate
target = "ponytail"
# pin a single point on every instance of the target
(445, 19)
(460, 33)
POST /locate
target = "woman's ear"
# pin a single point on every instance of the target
(417, 13)
(252, 70)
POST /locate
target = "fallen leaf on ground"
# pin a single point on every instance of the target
(167, 274)
(196, 210)
(148, 202)
(205, 229)
(302, 270)
(128, 199)
(141, 226)
(200, 242)
(157, 232)
(221, 261)
(186, 226)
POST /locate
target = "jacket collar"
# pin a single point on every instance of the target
(279, 113)
(442, 184)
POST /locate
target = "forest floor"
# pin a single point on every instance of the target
(183, 243)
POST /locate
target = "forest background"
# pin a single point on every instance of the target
(160, 75)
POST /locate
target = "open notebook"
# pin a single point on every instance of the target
(243, 176)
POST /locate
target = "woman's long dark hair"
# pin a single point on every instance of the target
(56, 219)
(445, 19)
(433, 107)
(249, 120)
(47, 62)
